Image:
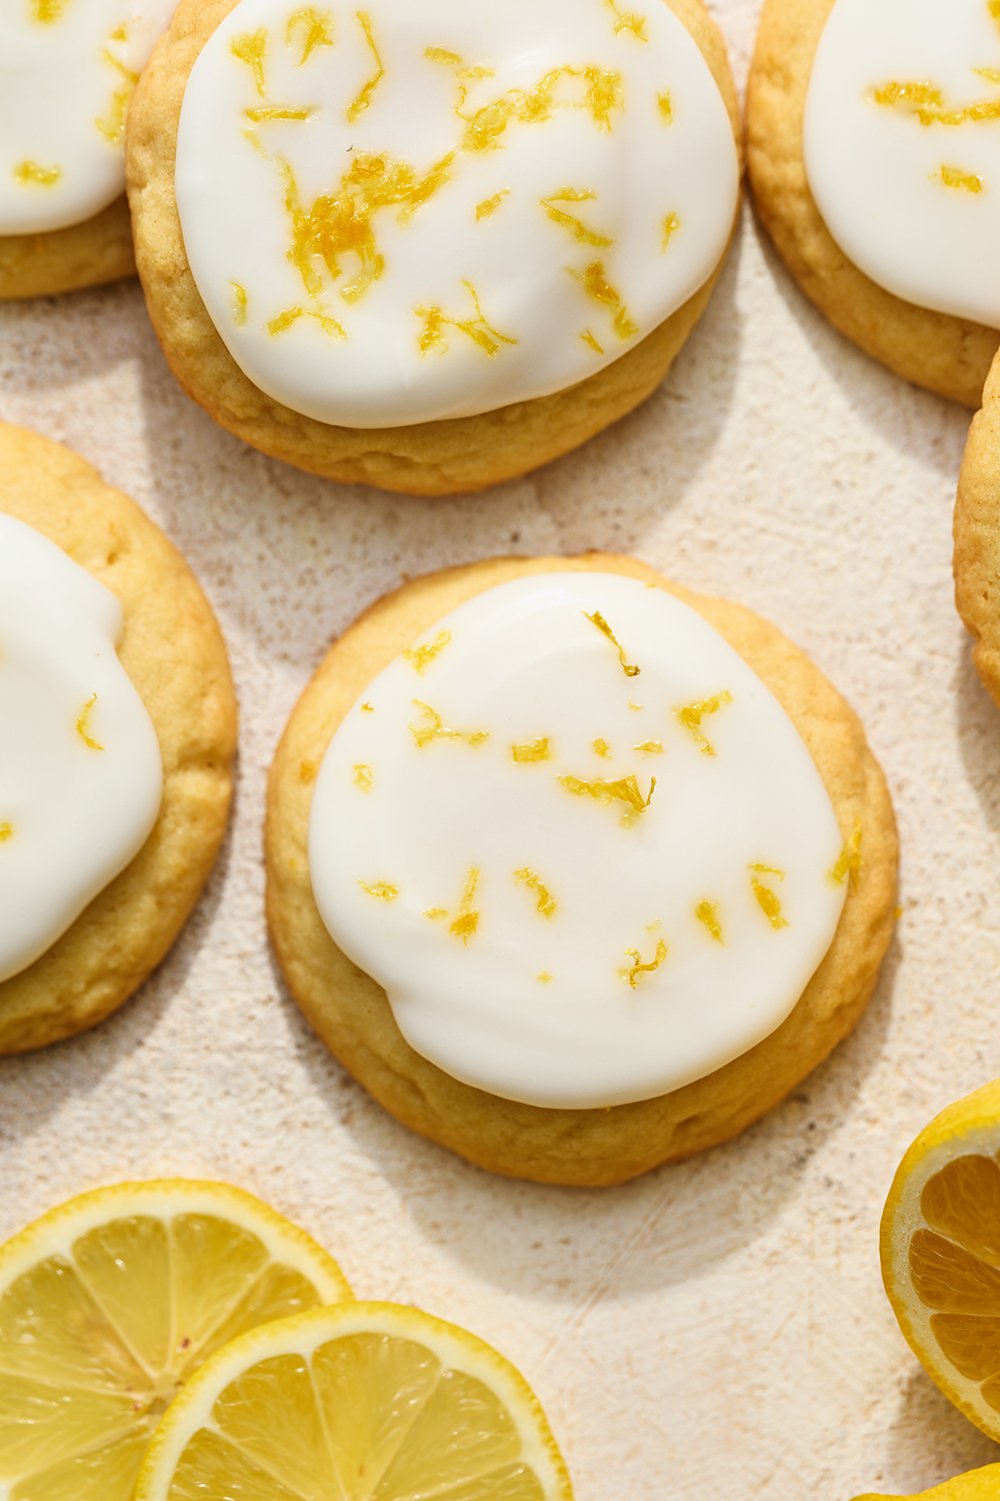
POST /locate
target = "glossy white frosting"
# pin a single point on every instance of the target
(80, 771)
(909, 187)
(533, 1000)
(607, 144)
(67, 71)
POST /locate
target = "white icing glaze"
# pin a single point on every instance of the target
(915, 205)
(72, 813)
(67, 70)
(495, 227)
(521, 662)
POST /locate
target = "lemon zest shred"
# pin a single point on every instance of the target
(602, 748)
(260, 114)
(637, 966)
(594, 281)
(364, 777)
(488, 339)
(671, 225)
(628, 21)
(436, 729)
(649, 747)
(576, 227)
(708, 913)
(367, 708)
(485, 128)
(316, 27)
(591, 342)
(665, 104)
(490, 205)
(47, 11)
(963, 182)
(6, 831)
(436, 912)
(383, 890)
(607, 791)
(250, 48)
(240, 303)
(598, 620)
(363, 98)
(691, 716)
(848, 862)
(532, 750)
(113, 127)
(768, 900)
(547, 905)
(421, 657)
(83, 725)
(927, 103)
(544, 977)
(33, 172)
(292, 315)
(467, 921)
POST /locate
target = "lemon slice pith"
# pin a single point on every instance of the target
(974, 1485)
(362, 1402)
(940, 1247)
(109, 1303)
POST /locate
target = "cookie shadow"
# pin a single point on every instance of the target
(926, 1424)
(978, 728)
(35, 1086)
(58, 343)
(309, 543)
(921, 427)
(665, 1228)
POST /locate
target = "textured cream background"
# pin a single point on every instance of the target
(718, 1328)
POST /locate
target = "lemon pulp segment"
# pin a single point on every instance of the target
(100, 1323)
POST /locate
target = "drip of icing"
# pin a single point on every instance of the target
(67, 71)
(500, 240)
(902, 148)
(504, 840)
(80, 771)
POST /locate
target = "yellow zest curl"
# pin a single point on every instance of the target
(628, 21)
(708, 913)
(251, 49)
(490, 205)
(927, 104)
(532, 750)
(691, 716)
(485, 127)
(467, 921)
(32, 172)
(364, 97)
(435, 729)
(596, 285)
(849, 860)
(47, 11)
(671, 225)
(544, 977)
(368, 708)
(546, 902)
(83, 725)
(577, 228)
(602, 748)
(638, 968)
(383, 890)
(263, 113)
(240, 301)
(591, 342)
(665, 104)
(597, 619)
(316, 28)
(649, 747)
(420, 657)
(6, 832)
(113, 128)
(488, 339)
(606, 792)
(963, 182)
(364, 777)
(767, 899)
(293, 314)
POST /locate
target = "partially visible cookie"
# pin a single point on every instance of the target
(66, 76)
(977, 536)
(430, 299)
(103, 854)
(589, 855)
(893, 134)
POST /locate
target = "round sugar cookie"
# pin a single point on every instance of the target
(356, 310)
(94, 552)
(803, 936)
(872, 149)
(977, 536)
(67, 72)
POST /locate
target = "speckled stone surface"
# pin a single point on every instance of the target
(718, 1328)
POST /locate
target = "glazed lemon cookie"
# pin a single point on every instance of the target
(119, 732)
(977, 536)
(576, 871)
(430, 247)
(874, 156)
(67, 71)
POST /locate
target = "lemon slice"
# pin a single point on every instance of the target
(110, 1302)
(364, 1402)
(940, 1249)
(974, 1485)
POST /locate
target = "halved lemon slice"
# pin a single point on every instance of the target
(363, 1402)
(110, 1302)
(940, 1248)
(974, 1485)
